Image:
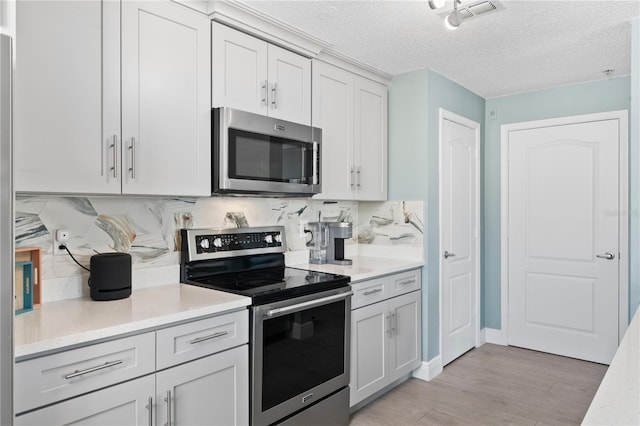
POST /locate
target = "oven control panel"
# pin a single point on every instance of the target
(231, 242)
(214, 243)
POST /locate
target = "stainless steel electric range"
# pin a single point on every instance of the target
(300, 320)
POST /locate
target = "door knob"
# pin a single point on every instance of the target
(448, 255)
(608, 255)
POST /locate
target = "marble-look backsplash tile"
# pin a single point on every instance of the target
(148, 228)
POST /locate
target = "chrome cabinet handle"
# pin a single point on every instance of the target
(168, 401)
(264, 93)
(370, 292)
(309, 304)
(388, 321)
(411, 281)
(274, 99)
(212, 336)
(114, 146)
(394, 324)
(359, 176)
(132, 148)
(92, 369)
(150, 408)
(353, 169)
(448, 255)
(608, 255)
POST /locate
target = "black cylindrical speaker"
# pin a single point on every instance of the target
(110, 276)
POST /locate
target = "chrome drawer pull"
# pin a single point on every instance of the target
(403, 283)
(150, 408)
(212, 336)
(92, 369)
(168, 401)
(370, 292)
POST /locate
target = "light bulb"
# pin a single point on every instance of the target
(453, 21)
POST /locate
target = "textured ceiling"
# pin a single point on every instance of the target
(530, 45)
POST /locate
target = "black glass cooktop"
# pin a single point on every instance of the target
(274, 284)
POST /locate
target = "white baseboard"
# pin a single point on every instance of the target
(428, 370)
(495, 336)
(482, 338)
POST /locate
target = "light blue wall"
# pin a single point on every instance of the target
(634, 172)
(414, 102)
(585, 98)
(407, 174)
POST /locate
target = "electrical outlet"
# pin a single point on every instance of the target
(302, 226)
(61, 237)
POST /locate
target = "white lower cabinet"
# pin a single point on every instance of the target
(125, 404)
(210, 391)
(119, 383)
(385, 337)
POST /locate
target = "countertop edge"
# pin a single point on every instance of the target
(617, 400)
(144, 324)
(365, 267)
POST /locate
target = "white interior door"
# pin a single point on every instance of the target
(563, 238)
(459, 210)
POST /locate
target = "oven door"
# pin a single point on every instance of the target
(300, 353)
(256, 154)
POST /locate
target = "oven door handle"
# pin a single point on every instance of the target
(308, 304)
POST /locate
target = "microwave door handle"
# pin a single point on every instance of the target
(315, 162)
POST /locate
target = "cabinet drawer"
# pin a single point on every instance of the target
(124, 404)
(368, 292)
(200, 338)
(404, 282)
(62, 375)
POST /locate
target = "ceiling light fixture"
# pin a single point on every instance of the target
(454, 19)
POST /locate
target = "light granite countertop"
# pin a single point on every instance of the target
(617, 401)
(364, 267)
(56, 325)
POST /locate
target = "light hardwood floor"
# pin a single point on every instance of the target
(492, 385)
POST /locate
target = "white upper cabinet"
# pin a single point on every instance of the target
(252, 75)
(58, 99)
(370, 140)
(333, 112)
(75, 133)
(166, 115)
(239, 70)
(352, 112)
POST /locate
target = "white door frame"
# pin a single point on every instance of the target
(623, 222)
(448, 115)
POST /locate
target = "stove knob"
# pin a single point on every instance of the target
(268, 239)
(278, 238)
(204, 243)
(217, 242)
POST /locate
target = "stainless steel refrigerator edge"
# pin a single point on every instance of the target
(6, 235)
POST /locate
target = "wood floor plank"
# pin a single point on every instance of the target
(492, 385)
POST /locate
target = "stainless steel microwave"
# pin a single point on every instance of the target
(260, 155)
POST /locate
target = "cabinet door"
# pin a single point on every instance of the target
(371, 140)
(125, 404)
(238, 70)
(406, 343)
(333, 90)
(210, 391)
(166, 115)
(59, 97)
(289, 86)
(369, 348)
